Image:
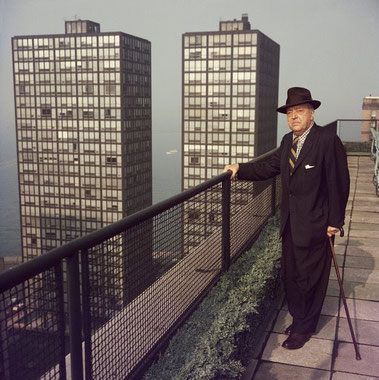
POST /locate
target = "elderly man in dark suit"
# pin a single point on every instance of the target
(312, 163)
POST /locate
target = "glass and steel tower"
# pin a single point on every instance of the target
(83, 121)
(230, 94)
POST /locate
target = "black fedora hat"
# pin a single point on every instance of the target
(297, 96)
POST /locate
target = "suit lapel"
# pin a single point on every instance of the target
(307, 146)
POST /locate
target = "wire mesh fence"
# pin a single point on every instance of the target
(128, 286)
(33, 335)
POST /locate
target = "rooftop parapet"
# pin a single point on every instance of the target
(81, 27)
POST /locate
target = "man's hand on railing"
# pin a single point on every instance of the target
(234, 168)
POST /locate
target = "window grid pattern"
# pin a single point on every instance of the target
(219, 102)
(83, 120)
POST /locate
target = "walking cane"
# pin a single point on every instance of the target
(357, 355)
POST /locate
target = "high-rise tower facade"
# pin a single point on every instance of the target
(83, 121)
(230, 94)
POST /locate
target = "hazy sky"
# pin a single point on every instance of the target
(329, 46)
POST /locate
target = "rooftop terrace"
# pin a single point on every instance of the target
(170, 258)
(330, 353)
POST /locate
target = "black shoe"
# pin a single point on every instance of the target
(287, 331)
(296, 341)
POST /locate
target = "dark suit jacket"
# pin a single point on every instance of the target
(315, 196)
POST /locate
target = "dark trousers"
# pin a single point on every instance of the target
(305, 274)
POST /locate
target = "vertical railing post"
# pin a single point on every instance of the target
(58, 270)
(4, 341)
(75, 324)
(86, 315)
(225, 224)
(273, 196)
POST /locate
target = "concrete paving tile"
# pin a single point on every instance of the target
(372, 197)
(361, 309)
(365, 217)
(374, 235)
(362, 250)
(326, 327)
(333, 288)
(339, 249)
(355, 241)
(365, 188)
(340, 260)
(360, 207)
(365, 183)
(345, 359)
(370, 276)
(366, 169)
(356, 290)
(365, 226)
(366, 172)
(330, 306)
(317, 353)
(365, 176)
(351, 376)
(340, 240)
(333, 274)
(367, 203)
(363, 262)
(367, 200)
(366, 332)
(271, 371)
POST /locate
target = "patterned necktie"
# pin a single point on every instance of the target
(292, 157)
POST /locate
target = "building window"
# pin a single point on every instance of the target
(194, 160)
(88, 114)
(88, 89)
(46, 112)
(193, 215)
(111, 160)
(51, 235)
(110, 89)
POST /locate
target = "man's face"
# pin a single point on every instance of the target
(300, 118)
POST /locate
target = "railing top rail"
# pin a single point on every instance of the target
(376, 120)
(48, 260)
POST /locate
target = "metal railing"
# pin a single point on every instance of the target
(101, 306)
(375, 157)
(354, 130)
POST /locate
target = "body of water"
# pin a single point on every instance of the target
(10, 240)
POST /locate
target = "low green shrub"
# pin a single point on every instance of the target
(218, 339)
